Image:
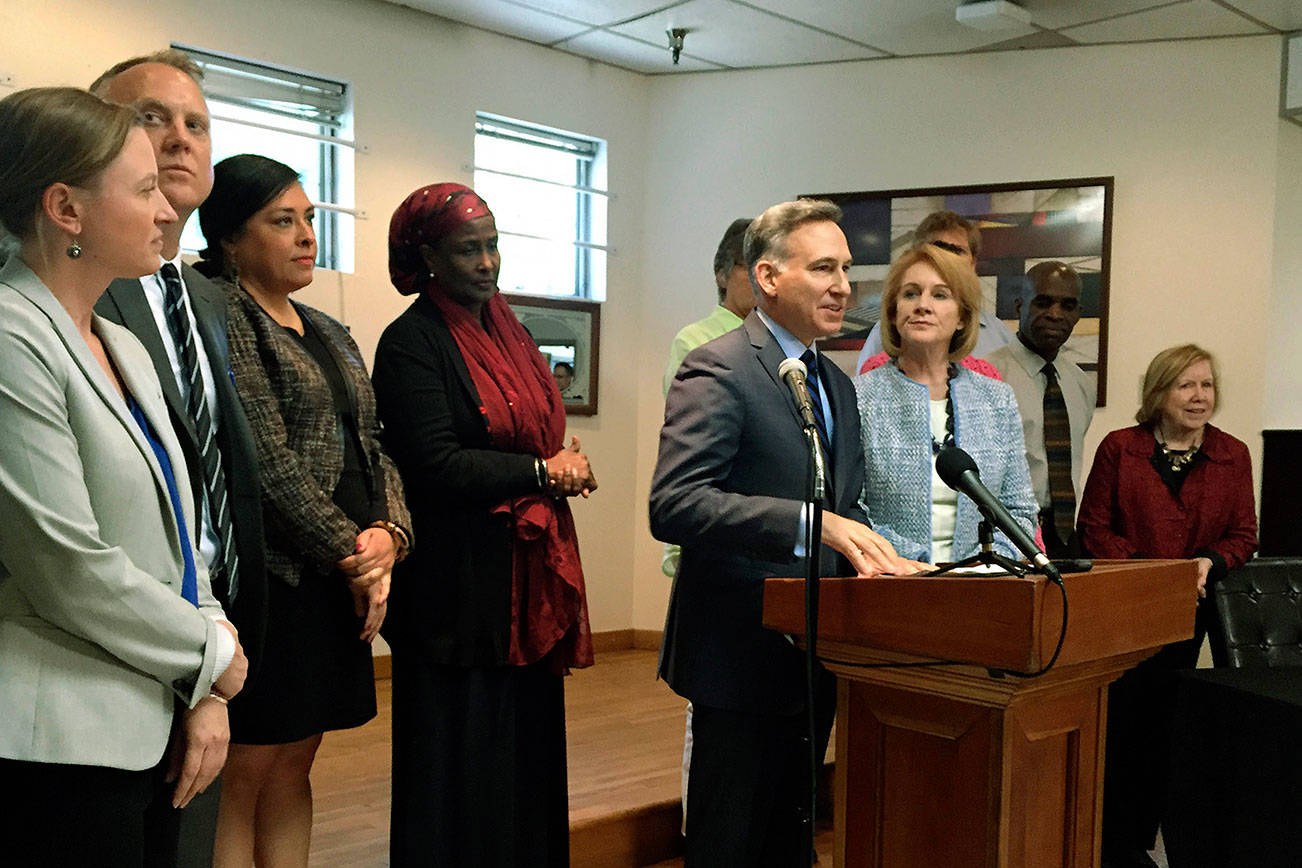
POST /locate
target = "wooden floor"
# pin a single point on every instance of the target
(625, 737)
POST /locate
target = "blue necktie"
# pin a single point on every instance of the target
(815, 398)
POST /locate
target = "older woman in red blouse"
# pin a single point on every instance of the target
(1173, 486)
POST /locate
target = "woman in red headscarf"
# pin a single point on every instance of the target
(492, 612)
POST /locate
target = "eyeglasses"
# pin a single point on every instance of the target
(956, 249)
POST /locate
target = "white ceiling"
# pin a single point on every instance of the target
(749, 34)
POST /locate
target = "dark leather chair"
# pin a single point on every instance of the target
(1259, 609)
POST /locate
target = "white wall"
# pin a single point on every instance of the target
(1281, 399)
(418, 82)
(1189, 131)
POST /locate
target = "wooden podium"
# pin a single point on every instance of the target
(957, 765)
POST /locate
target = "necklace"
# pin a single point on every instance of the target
(1178, 459)
(949, 412)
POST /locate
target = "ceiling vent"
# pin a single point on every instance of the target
(992, 15)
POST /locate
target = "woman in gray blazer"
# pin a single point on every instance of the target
(111, 644)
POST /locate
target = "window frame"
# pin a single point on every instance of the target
(255, 86)
(589, 154)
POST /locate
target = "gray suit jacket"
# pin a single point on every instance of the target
(125, 304)
(728, 486)
(96, 642)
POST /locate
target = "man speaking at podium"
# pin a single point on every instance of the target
(729, 485)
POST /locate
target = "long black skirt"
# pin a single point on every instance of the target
(479, 772)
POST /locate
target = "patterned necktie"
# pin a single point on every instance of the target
(196, 405)
(1057, 453)
(815, 398)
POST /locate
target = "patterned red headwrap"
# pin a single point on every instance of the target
(424, 217)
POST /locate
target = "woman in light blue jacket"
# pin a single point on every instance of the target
(923, 400)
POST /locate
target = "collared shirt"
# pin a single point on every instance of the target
(718, 323)
(1022, 368)
(794, 349)
(152, 284)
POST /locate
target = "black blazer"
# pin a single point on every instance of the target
(451, 597)
(124, 303)
(728, 487)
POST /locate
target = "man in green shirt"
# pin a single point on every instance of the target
(736, 299)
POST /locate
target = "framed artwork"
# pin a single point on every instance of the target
(1022, 224)
(567, 332)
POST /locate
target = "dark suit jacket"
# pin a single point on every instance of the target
(728, 486)
(452, 597)
(124, 303)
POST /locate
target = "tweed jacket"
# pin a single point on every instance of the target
(96, 642)
(895, 426)
(292, 414)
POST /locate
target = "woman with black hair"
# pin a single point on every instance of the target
(333, 507)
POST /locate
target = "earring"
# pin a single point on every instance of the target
(74, 250)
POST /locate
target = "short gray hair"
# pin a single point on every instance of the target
(173, 57)
(766, 238)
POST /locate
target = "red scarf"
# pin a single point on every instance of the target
(522, 410)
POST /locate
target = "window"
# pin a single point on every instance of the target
(547, 192)
(300, 120)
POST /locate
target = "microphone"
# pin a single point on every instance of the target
(957, 470)
(793, 372)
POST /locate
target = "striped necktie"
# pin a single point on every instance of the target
(815, 398)
(1057, 454)
(196, 405)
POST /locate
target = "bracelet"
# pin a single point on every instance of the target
(540, 470)
(213, 694)
(401, 543)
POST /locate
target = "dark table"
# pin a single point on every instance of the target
(1236, 780)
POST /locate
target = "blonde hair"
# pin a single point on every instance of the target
(1163, 371)
(957, 275)
(173, 57)
(51, 135)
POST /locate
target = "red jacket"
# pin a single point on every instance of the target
(1128, 512)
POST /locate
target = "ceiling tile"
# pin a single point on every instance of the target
(1040, 39)
(1182, 20)
(598, 12)
(500, 17)
(1284, 14)
(735, 35)
(1054, 14)
(896, 26)
(631, 53)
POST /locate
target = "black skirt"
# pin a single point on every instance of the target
(316, 675)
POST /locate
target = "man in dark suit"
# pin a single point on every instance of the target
(180, 317)
(728, 488)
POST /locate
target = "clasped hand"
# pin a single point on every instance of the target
(568, 472)
(369, 573)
